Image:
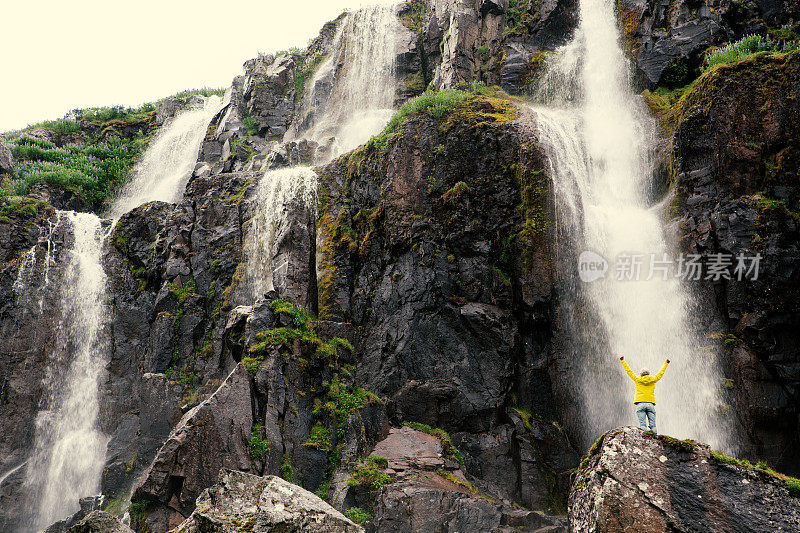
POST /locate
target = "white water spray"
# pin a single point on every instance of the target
(359, 106)
(169, 160)
(277, 189)
(69, 450)
(362, 98)
(600, 143)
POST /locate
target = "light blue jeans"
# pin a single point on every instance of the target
(646, 413)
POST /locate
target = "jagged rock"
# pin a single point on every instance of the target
(6, 160)
(100, 522)
(737, 196)
(268, 94)
(430, 492)
(261, 505)
(634, 482)
(668, 41)
(211, 436)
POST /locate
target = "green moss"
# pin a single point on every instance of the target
(181, 290)
(525, 415)
(791, 484)
(320, 438)
(447, 443)
(358, 515)
(369, 473)
(453, 195)
(259, 447)
(687, 445)
(287, 472)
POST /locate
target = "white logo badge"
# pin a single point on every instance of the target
(591, 266)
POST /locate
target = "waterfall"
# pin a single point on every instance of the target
(276, 192)
(360, 104)
(364, 88)
(600, 144)
(69, 449)
(169, 160)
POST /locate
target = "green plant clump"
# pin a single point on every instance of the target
(259, 448)
(746, 47)
(320, 438)
(447, 443)
(369, 473)
(358, 515)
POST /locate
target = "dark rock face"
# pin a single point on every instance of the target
(261, 505)
(430, 492)
(736, 162)
(634, 482)
(211, 436)
(426, 255)
(667, 39)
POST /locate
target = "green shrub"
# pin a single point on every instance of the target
(517, 17)
(369, 473)
(250, 126)
(358, 515)
(287, 472)
(259, 448)
(320, 438)
(746, 47)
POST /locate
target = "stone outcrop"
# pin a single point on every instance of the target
(634, 481)
(668, 39)
(212, 436)
(448, 317)
(241, 501)
(736, 163)
(429, 491)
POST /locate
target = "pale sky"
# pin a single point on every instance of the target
(58, 55)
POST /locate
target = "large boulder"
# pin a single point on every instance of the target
(244, 502)
(430, 492)
(211, 436)
(100, 522)
(635, 481)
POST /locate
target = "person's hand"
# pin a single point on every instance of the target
(622, 358)
(667, 361)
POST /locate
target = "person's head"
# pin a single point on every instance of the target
(644, 372)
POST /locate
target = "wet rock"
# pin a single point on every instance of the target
(263, 504)
(211, 436)
(736, 196)
(631, 481)
(99, 522)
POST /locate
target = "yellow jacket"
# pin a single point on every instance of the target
(645, 385)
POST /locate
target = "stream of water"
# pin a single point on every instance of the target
(600, 142)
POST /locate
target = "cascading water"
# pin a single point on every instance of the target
(358, 107)
(69, 449)
(364, 88)
(600, 142)
(277, 189)
(169, 160)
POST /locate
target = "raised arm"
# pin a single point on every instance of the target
(633, 376)
(661, 372)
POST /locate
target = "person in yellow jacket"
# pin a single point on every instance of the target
(645, 398)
